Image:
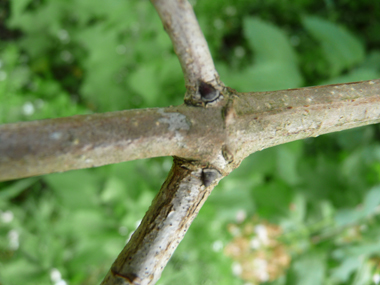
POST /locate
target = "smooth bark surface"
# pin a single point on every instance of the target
(188, 41)
(265, 119)
(190, 46)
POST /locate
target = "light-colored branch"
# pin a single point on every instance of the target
(164, 225)
(189, 43)
(241, 125)
(211, 141)
(252, 121)
(260, 120)
(54, 145)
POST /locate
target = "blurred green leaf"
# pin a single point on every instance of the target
(364, 275)
(371, 201)
(345, 269)
(370, 205)
(76, 189)
(287, 161)
(272, 199)
(87, 221)
(269, 43)
(16, 188)
(275, 66)
(113, 191)
(362, 250)
(347, 216)
(341, 48)
(359, 74)
(18, 7)
(60, 58)
(369, 69)
(10, 273)
(298, 214)
(310, 269)
(144, 82)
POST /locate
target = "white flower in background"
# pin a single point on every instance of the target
(56, 277)
(217, 245)
(255, 243)
(241, 215)
(28, 109)
(236, 269)
(261, 269)
(6, 216)
(376, 278)
(13, 237)
(262, 234)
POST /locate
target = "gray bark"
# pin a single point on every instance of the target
(209, 136)
(237, 125)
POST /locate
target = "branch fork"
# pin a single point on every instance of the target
(208, 137)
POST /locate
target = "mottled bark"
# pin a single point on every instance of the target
(164, 225)
(40, 147)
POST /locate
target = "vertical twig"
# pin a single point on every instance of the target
(189, 44)
(189, 183)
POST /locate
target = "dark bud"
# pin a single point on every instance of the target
(209, 175)
(128, 278)
(208, 92)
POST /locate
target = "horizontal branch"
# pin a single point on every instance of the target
(260, 120)
(241, 125)
(83, 141)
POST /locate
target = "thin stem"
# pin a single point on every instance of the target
(189, 43)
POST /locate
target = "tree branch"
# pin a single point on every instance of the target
(241, 125)
(211, 141)
(260, 120)
(46, 146)
(164, 225)
(189, 44)
(252, 121)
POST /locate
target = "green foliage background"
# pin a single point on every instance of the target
(60, 58)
